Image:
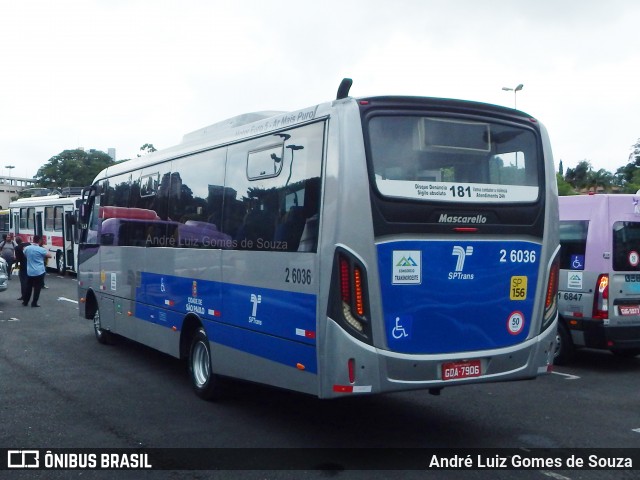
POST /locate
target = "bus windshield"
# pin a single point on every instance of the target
(448, 159)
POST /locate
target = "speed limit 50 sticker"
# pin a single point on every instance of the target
(515, 324)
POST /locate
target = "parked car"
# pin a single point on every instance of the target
(599, 290)
(4, 277)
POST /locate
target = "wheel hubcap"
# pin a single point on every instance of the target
(96, 323)
(200, 364)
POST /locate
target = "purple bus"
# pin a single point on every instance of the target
(599, 291)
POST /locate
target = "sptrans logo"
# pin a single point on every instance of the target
(407, 268)
(461, 253)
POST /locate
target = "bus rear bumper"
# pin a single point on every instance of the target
(376, 370)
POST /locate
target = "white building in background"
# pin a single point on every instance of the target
(11, 186)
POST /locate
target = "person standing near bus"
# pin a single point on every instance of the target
(8, 252)
(21, 261)
(36, 256)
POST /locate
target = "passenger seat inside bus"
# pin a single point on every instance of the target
(290, 230)
(309, 238)
(258, 225)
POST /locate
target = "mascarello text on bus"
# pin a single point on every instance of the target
(353, 247)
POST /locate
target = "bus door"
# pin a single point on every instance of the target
(68, 236)
(38, 229)
(16, 221)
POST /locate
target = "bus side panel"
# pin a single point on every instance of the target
(236, 363)
(273, 317)
(455, 296)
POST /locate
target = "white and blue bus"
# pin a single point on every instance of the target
(353, 247)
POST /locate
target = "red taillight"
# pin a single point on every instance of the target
(551, 296)
(552, 286)
(601, 298)
(352, 283)
(359, 297)
(352, 278)
(345, 287)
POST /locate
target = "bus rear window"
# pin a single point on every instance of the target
(626, 246)
(454, 160)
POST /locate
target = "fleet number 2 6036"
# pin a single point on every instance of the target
(517, 256)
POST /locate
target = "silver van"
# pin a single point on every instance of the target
(599, 290)
(4, 275)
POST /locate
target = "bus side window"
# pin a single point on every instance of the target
(276, 211)
(258, 226)
(194, 193)
(309, 238)
(290, 229)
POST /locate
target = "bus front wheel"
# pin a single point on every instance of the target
(205, 382)
(60, 265)
(103, 336)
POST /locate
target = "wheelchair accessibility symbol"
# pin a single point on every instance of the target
(577, 262)
(399, 331)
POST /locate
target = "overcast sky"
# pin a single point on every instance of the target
(121, 73)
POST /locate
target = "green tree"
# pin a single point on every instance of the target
(578, 177)
(72, 168)
(583, 177)
(564, 187)
(633, 185)
(624, 174)
(147, 148)
(634, 157)
(600, 179)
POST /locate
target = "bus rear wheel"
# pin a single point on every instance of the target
(565, 350)
(205, 383)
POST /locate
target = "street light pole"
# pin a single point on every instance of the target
(10, 167)
(515, 94)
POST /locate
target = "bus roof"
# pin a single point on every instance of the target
(44, 200)
(254, 124)
(588, 207)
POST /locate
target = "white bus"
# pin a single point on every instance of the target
(54, 218)
(356, 246)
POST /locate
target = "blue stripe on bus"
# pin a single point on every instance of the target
(275, 324)
(454, 296)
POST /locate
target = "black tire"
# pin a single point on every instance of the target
(205, 383)
(103, 336)
(565, 350)
(60, 266)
